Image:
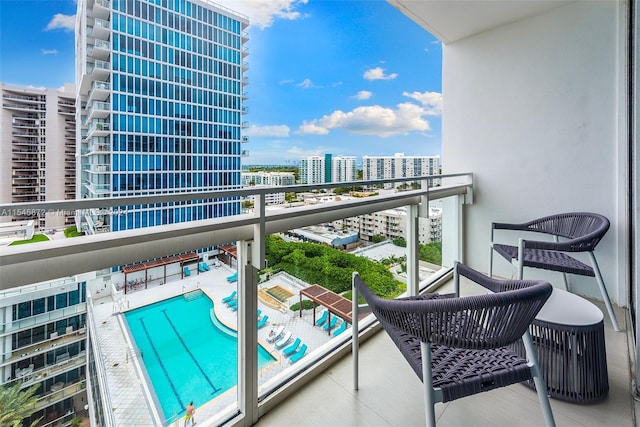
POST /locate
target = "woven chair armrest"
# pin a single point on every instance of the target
(478, 322)
(580, 244)
(492, 284)
(507, 226)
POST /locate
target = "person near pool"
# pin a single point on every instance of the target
(188, 418)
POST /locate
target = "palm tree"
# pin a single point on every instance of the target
(16, 405)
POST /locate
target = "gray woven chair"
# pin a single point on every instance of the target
(459, 346)
(580, 232)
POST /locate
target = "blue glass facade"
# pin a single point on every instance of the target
(175, 106)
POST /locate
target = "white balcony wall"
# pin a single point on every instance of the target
(537, 110)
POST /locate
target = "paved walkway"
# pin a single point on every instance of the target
(127, 386)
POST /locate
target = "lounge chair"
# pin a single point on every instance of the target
(186, 271)
(327, 326)
(262, 321)
(322, 319)
(205, 266)
(258, 313)
(341, 329)
(233, 277)
(230, 296)
(298, 355)
(572, 232)
(284, 340)
(276, 334)
(462, 346)
(292, 348)
(233, 303)
(201, 268)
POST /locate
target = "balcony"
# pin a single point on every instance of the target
(382, 367)
(99, 91)
(101, 29)
(99, 110)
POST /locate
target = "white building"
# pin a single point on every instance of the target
(392, 224)
(312, 170)
(276, 179)
(44, 343)
(343, 169)
(399, 166)
(37, 152)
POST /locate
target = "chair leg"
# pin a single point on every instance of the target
(603, 290)
(427, 381)
(538, 379)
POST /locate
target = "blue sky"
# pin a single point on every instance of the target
(325, 76)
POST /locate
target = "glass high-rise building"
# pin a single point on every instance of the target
(160, 104)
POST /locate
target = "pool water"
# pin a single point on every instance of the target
(186, 357)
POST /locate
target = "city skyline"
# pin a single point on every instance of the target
(324, 76)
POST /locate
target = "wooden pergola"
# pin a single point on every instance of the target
(228, 252)
(163, 262)
(335, 304)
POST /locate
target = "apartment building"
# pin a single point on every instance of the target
(392, 224)
(37, 154)
(312, 170)
(399, 166)
(343, 169)
(44, 344)
(160, 98)
(327, 168)
(276, 179)
(266, 180)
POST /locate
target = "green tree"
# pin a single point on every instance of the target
(378, 238)
(400, 241)
(17, 405)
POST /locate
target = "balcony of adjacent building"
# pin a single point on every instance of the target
(100, 91)
(97, 70)
(100, 9)
(100, 50)
(98, 110)
(99, 29)
(98, 128)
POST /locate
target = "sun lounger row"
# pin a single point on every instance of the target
(327, 324)
(295, 351)
(203, 266)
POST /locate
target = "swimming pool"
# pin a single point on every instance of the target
(186, 357)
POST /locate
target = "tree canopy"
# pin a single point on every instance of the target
(17, 405)
(328, 267)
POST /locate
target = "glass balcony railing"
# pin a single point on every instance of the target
(313, 206)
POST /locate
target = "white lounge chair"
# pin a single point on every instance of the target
(276, 334)
(284, 340)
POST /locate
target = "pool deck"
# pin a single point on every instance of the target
(125, 381)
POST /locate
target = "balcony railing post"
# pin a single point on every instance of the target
(247, 334)
(259, 230)
(413, 249)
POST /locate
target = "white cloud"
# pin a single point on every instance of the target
(312, 128)
(432, 101)
(49, 51)
(378, 74)
(371, 120)
(263, 13)
(363, 94)
(63, 22)
(306, 83)
(275, 131)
